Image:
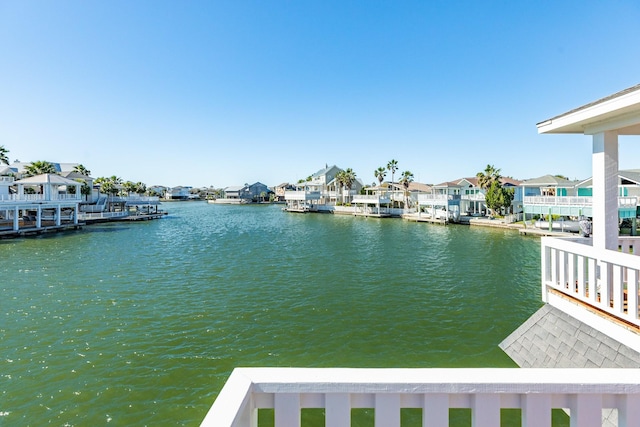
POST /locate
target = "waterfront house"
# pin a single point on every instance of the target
(38, 203)
(257, 192)
(375, 202)
(19, 168)
(552, 195)
(321, 189)
(590, 318)
(178, 193)
(443, 202)
(254, 193)
(281, 189)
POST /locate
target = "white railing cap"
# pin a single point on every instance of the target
(442, 380)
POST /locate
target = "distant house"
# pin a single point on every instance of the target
(550, 195)
(253, 193)
(325, 183)
(178, 193)
(280, 190)
(157, 190)
(19, 168)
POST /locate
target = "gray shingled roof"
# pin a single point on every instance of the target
(549, 180)
(553, 339)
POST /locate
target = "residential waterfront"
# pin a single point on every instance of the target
(141, 324)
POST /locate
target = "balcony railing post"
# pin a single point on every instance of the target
(534, 408)
(287, 409)
(632, 293)
(629, 413)
(603, 283)
(436, 410)
(338, 409)
(387, 410)
(485, 410)
(586, 410)
(544, 267)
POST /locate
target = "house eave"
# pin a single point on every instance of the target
(619, 112)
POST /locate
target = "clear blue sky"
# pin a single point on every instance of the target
(226, 92)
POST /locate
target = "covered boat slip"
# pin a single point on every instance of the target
(18, 219)
(42, 203)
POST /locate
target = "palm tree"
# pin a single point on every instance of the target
(129, 187)
(380, 173)
(39, 167)
(405, 180)
(393, 167)
(346, 179)
(486, 178)
(82, 170)
(117, 184)
(140, 188)
(3, 155)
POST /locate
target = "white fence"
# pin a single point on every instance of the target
(586, 393)
(607, 280)
(99, 215)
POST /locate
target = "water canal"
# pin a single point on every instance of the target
(140, 324)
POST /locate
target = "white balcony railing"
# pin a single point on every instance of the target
(428, 198)
(38, 198)
(83, 216)
(604, 279)
(302, 195)
(478, 197)
(586, 393)
(371, 198)
(141, 199)
(623, 202)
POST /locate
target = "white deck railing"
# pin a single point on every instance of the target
(429, 198)
(477, 197)
(575, 201)
(607, 280)
(38, 198)
(584, 392)
(371, 198)
(100, 215)
(302, 195)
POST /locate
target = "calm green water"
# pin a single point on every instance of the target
(141, 324)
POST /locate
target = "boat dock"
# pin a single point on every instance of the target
(33, 231)
(418, 218)
(542, 233)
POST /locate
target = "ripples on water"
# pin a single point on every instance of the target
(140, 324)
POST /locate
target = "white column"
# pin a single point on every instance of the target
(605, 190)
(16, 219)
(39, 217)
(58, 215)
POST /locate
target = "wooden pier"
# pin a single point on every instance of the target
(34, 231)
(428, 219)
